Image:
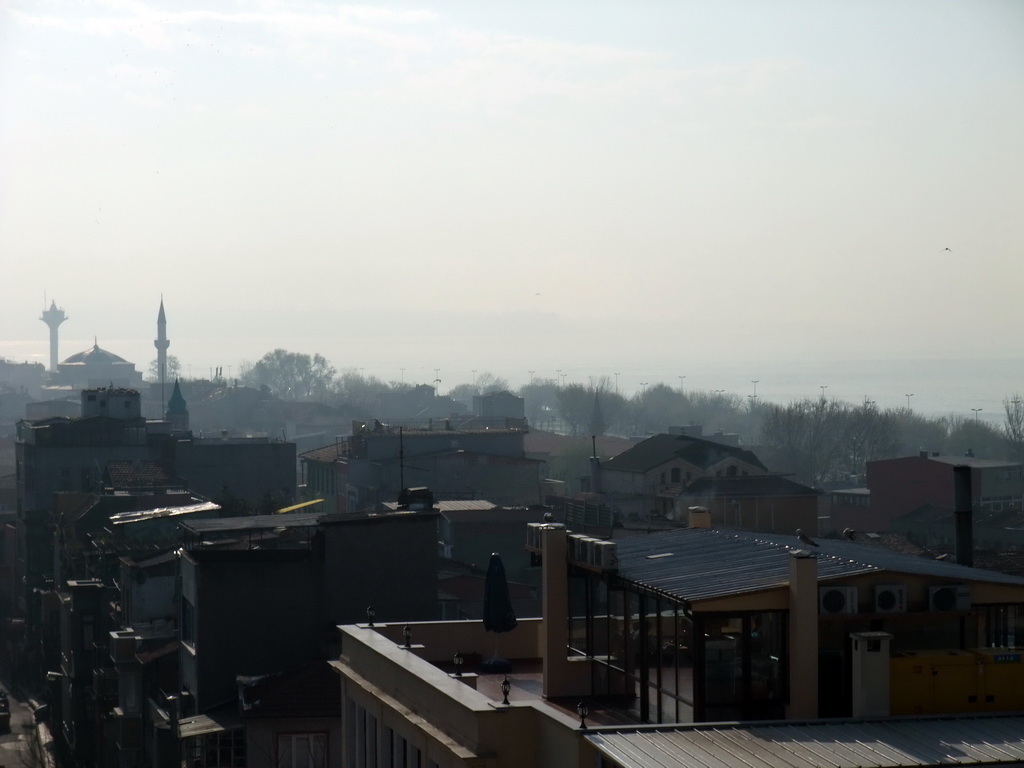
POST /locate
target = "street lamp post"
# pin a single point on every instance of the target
(616, 383)
(976, 412)
(910, 395)
(754, 382)
(823, 387)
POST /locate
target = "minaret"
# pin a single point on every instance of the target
(53, 317)
(177, 410)
(161, 343)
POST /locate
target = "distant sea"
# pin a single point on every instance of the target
(936, 387)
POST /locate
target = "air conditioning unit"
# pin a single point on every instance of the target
(578, 549)
(607, 555)
(593, 556)
(836, 600)
(949, 597)
(533, 536)
(890, 598)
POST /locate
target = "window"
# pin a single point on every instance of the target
(217, 750)
(675, 474)
(302, 750)
(1000, 626)
(361, 739)
(396, 752)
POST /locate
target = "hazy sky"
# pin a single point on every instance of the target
(591, 186)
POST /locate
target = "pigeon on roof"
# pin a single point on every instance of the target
(805, 539)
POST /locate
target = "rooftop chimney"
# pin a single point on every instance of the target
(962, 513)
(700, 517)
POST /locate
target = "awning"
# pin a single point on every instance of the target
(200, 725)
(299, 506)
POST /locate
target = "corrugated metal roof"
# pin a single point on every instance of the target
(253, 522)
(451, 505)
(997, 740)
(138, 515)
(701, 564)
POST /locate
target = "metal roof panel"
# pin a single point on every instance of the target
(982, 740)
(695, 564)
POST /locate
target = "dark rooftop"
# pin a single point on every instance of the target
(251, 523)
(659, 449)
(700, 564)
(749, 485)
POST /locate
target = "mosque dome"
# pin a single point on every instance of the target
(94, 356)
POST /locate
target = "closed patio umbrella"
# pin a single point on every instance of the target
(499, 616)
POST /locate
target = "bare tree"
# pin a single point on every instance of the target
(1013, 427)
(541, 401)
(869, 434)
(575, 404)
(487, 383)
(173, 369)
(807, 436)
(291, 375)
(973, 436)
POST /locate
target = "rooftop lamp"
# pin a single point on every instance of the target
(506, 686)
(407, 634)
(458, 659)
(370, 613)
(582, 711)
